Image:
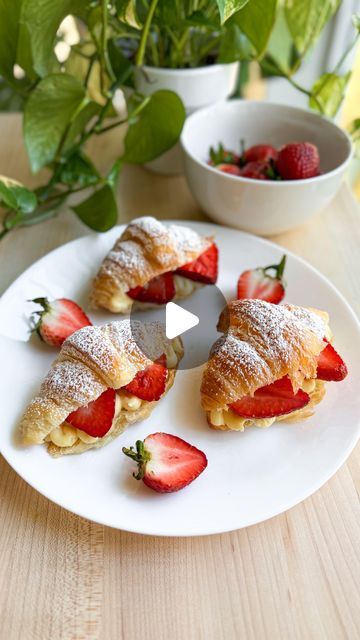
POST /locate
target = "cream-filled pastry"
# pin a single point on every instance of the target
(101, 382)
(151, 264)
(271, 364)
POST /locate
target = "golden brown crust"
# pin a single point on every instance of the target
(90, 361)
(263, 343)
(146, 249)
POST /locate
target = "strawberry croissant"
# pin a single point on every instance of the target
(270, 365)
(100, 383)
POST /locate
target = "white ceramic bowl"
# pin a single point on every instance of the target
(262, 207)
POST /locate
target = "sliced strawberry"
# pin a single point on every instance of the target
(158, 291)
(97, 416)
(204, 268)
(166, 463)
(150, 383)
(260, 153)
(58, 319)
(233, 169)
(256, 283)
(255, 170)
(331, 366)
(275, 399)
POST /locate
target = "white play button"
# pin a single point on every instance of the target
(178, 320)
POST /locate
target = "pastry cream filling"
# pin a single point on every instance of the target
(230, 419)
(66, 435)
(184, 286)
(122, 303)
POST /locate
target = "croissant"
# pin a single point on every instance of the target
(145, 250)
(263, 344)
(92, 360)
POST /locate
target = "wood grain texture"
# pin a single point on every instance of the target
(295, 576)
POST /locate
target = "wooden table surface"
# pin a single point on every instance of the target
(295, 576)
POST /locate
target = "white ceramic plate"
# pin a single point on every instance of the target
(250, 477)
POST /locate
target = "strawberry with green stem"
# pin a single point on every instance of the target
(57, 320)
(258, 283)
(165, 462)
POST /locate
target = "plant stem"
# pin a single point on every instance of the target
(110, 126)
(297, 86)
(145, 32)
(89, 69)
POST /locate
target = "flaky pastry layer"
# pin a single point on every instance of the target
(146, 249)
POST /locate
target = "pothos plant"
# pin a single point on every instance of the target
(66, 103)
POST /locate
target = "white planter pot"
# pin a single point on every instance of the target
(197, 88)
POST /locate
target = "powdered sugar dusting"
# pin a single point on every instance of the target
(72, 381)
(148, 248)
(278, 327)
(92, 343)
(150, 225)
(129, 255)
(186, 239)
(309, 319)
(263, 343)
(240, 356)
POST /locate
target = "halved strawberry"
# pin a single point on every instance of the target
(204, 268)
(256, 283)
(331, 366)
(166, 463)
(150, 383)
(233, 169)
(58, 319)
(97, 416)
(275, 399)
(256, 170)
(158, 291)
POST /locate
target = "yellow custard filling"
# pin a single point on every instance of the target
(228, 419)
(66, 435)
(122, 303)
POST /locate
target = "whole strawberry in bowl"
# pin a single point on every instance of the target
(291, 167)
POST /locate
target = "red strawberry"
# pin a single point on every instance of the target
(331, 367)
(158, 291)
(260, 153)
(96, 418)
(256, 283)
(255, 170)
(298, 160)
(229, 168)
(58, 320)
(149, 384)
(166, 463)
(204, 268)
(275, 399)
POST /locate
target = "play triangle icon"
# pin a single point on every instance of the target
(178, 320)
